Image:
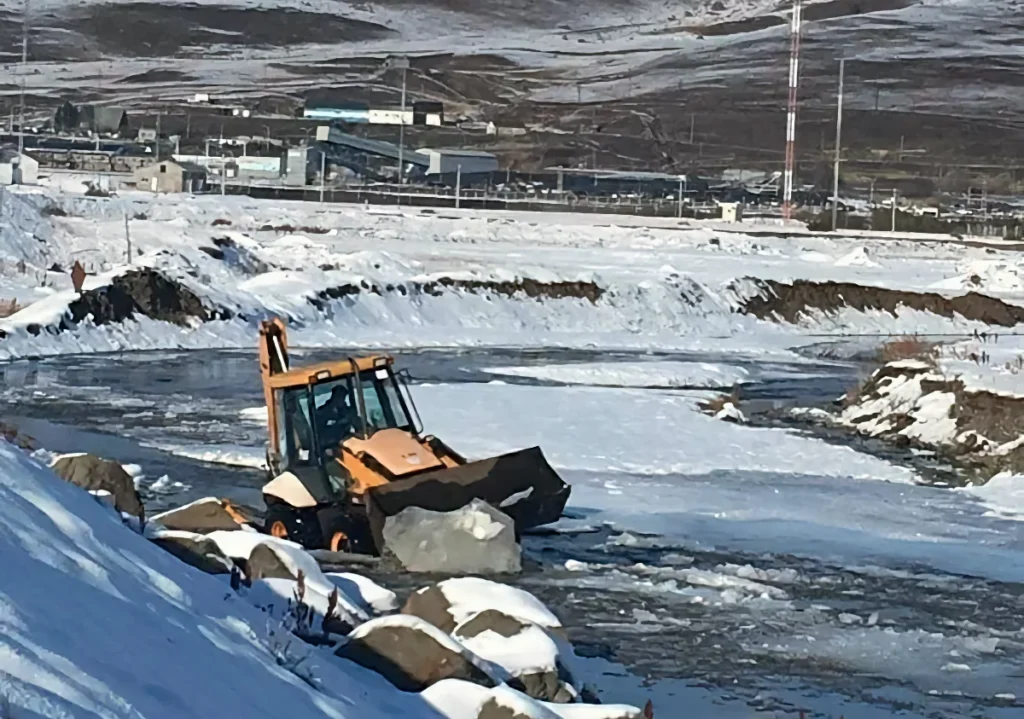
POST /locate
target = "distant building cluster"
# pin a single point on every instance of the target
(358, 113)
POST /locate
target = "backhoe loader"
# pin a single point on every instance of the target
(346, 451)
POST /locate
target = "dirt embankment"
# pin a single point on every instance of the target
(145, 293)
(984, 433)
(794, 301)
(526, 287)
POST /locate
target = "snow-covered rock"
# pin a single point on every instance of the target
(413, 654)
(531, 655)
(195, 550)
(462, 700)
(94, 473)
(202, 516)
(454, 601)
(374, 598)
(475, 539)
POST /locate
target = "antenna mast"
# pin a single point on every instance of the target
(24, 72)
(794, 82)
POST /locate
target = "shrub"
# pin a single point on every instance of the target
(8, 307)
(908, 348)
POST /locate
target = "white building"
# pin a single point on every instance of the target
(444, 161)
(17, 169)
(390, 116)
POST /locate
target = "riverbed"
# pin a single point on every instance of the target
(724, 606)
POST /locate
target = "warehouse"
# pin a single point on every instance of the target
(351, 112)
(369, 159)
(445, 161)
(171, 176)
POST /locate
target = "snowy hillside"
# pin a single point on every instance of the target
(96, 621)
(205, 271)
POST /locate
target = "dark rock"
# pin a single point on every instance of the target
(201, 517)
(203, 554)
(493, 710)
(91, 473)
(143, 292)
(551, 684)
(430, 605)
(475, 539)
(264, 563)
(411, 656)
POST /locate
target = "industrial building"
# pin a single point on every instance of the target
(358, 113)
(17, 169)
(171, 176)
(469, 162)
(370, 159)
(94, 119)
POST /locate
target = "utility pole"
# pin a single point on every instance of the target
(893, 209)
(839, 145)
(679, 207)
(794, 83)
(323, 173)
(458, 186)
(127, 237)
(158, 137)
(693, 121)
(24, 73)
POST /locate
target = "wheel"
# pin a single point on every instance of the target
(297, 525)
(339, 542)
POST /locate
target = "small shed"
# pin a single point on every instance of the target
(17, 169)
(445, 161)
(171, 176)
(732, 211)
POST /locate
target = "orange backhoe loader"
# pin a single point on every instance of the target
(346, 451)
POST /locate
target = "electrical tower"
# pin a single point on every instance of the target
(794, 83)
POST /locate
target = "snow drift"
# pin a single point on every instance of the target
(96, 620)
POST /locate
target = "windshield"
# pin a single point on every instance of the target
(337, 407)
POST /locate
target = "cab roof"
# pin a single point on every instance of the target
(326, 371)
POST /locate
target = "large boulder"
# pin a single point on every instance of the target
(475, 539)
(195, 550)
(531, 655)
(265, 562)
(454, 601)
(94, 473)
(412, 654)
(202, 516)
(455, 698)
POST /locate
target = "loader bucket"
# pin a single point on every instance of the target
(521, 484)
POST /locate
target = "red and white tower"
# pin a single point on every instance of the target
(794, 84)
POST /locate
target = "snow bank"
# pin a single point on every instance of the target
(152, 636)
(1003, 495)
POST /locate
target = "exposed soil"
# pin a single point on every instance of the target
(794, 301)
(533, 289)
(139, 292)
(140, 29)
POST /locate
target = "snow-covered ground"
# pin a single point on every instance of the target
(661, 283)
(786, 526)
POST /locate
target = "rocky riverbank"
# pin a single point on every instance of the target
(469, 646)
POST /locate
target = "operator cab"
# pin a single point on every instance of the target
(335, 403)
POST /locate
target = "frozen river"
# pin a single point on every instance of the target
(723, 571)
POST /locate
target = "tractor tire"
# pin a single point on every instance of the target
(296, 525)
(343, 532)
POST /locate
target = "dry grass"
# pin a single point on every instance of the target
(908, 348)
(11, 433)
(8, 308)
